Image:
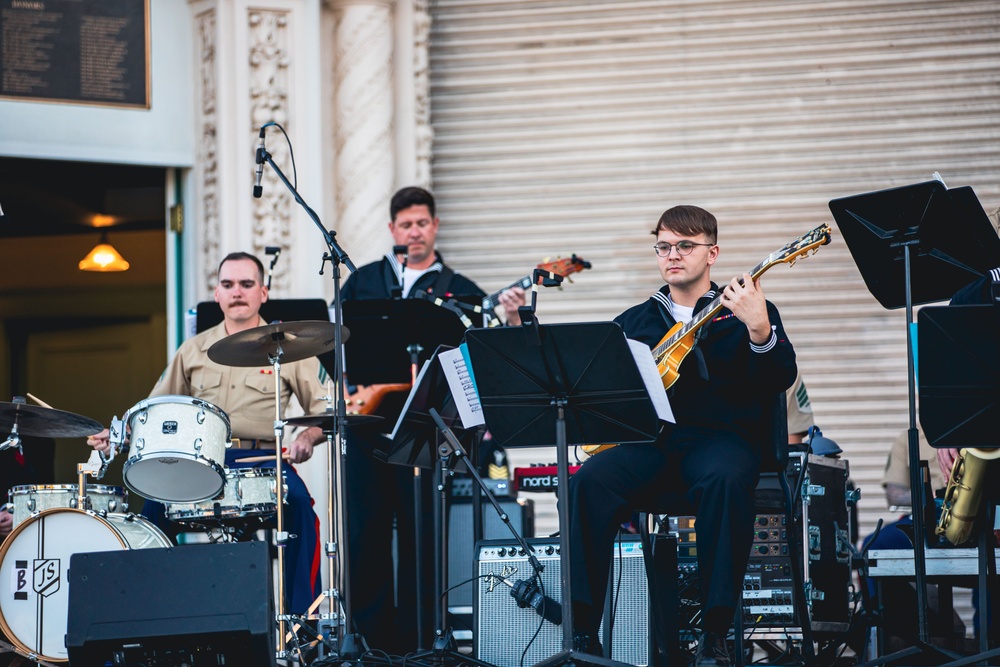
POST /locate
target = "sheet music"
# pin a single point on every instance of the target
(651, 378)
(462, 383)
(409, 397)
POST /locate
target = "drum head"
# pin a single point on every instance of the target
(173, 478)
(34, 568)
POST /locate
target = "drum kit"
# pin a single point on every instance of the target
(176, 456)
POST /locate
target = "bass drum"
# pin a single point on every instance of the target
(34, 564)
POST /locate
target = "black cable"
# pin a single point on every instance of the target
(541, 620)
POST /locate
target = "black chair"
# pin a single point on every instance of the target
(774, 462)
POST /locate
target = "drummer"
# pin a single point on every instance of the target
(247, 396)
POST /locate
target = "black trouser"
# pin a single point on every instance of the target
(383, 597)
(713, 472)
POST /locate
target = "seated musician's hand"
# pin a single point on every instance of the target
(301, 449)
(100, 441)
(511, 300)
(747, 303)
(6, 523)
(946, 460)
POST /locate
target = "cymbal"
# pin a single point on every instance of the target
(254, 347)
(327, 423)
(45, 422)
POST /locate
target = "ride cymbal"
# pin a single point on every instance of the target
(257, 346)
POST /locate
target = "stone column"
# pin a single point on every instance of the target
(364, 127)
(258, 63)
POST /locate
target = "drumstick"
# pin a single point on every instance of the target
(39, 401)
(261, 459)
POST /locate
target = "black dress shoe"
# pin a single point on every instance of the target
(583, 642)
(712, 651)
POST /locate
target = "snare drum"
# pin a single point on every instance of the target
(177, 449)
(37, 497)
(249, 493)
(34, 564)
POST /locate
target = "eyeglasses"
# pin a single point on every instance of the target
(683, 248)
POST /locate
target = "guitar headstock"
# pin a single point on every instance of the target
(566, 266)
(802, 246)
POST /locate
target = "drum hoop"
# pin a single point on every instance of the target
(178, 398)
(100, 488)
(249, 472)
(220, 469)
(9, 542)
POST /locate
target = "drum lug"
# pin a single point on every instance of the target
(139, 444)
(143, 417)
(200, 418)
(197, 445)
(31, 504)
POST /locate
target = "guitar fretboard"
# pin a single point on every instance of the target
(491, 301)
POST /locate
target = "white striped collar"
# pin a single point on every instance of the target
(397, 266)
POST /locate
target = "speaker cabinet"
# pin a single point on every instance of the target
(503, 630)
(462, 546)
(462, 550)
(206, 604)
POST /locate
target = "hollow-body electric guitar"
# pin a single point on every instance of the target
(680, 339)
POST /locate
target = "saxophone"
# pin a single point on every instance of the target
(963, 494)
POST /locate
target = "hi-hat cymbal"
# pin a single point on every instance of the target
(256, 347)
(45, 422)
(326, 421)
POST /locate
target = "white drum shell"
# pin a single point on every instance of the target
(31, 498)
(177, 449)
(249, 492)
(34, 565)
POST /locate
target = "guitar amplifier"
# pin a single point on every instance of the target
(503, 630)
(462, 549)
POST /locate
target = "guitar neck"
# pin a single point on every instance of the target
(704, 315)
(492, 301)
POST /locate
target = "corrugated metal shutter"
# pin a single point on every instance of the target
(565, 126)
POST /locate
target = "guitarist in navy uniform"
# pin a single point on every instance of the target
(709, 459)
(380, 493)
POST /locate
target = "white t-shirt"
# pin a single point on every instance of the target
(410, 277)
(681, 313)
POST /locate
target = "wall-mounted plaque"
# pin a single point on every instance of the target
(83, 51)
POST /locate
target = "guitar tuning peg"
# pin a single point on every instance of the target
(545, 260)
(569, 279)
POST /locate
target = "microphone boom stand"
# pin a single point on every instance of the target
(351, 645)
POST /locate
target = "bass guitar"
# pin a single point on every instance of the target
(367, 398)
(680, 339)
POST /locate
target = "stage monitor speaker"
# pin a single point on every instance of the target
(197, 605)
(503, 630)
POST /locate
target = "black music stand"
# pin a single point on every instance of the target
(389, 337)
(384, 333)
(430, 430)
(917, 244)
(559, 385)
(415, 435)
(959, 375)
(959, 380)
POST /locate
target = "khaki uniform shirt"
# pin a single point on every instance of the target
(897, 467)
(245, 394)
(800, 412)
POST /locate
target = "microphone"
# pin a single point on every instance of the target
(526, 593)
(271, 250)
(257, 190)
(397, 290)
